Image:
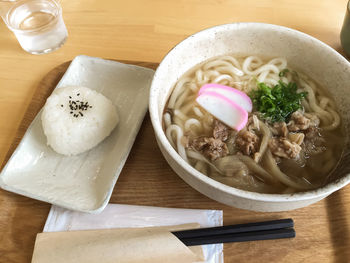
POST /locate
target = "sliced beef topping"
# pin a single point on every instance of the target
(298, 122)
(220, 131)
(210, 147)
(284, 148)
(247, 142)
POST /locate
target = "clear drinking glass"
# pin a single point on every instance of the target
(37, 24)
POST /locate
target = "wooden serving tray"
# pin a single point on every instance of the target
(323, 229)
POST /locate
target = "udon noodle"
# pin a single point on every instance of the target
(266, 166)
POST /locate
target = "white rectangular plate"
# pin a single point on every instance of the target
(83, 182)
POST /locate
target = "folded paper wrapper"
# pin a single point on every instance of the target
(125, 233)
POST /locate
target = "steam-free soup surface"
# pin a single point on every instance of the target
(292, 148)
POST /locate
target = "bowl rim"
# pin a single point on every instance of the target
(165, 144)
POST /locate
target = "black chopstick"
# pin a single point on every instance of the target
(239, 228)
(274, 229)
(240, 237)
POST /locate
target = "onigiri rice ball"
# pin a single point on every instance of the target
(76, 119)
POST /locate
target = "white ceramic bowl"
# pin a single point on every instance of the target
(302, 51)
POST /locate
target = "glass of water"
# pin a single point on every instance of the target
(37, 24)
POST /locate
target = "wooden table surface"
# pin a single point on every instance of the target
(145, 30)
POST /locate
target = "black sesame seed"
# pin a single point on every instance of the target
(70, 97)
(71, 112)
(61, 105)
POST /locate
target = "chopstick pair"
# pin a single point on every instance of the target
(275, 229)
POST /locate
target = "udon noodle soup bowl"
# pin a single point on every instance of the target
(303, 53)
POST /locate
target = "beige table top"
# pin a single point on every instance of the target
(145, 30)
